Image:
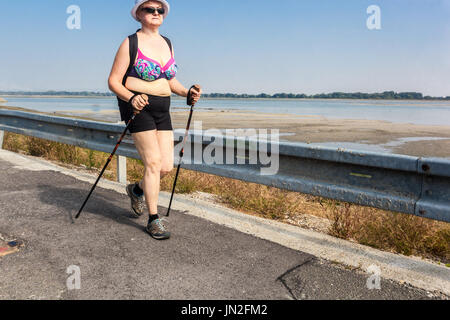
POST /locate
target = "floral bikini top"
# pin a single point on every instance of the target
(150, 70)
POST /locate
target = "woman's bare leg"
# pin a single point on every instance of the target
(165, 141)
(147, 145)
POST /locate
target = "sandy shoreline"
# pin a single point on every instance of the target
(401, 138)
(317, 129)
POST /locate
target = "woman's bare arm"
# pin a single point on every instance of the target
(175, 85)
(177, 88)
(118, 70)
(180, 90)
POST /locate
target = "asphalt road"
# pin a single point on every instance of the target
(118, 260)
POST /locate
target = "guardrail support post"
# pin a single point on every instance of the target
(122, 169)
(2, 135)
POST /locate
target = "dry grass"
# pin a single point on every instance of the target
(69, 155)
(377, 228)
(386, 230)
(391, 231)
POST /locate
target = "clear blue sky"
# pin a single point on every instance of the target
(245, 46)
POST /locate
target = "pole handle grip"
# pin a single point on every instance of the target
(189, 100)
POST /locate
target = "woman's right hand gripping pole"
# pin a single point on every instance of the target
(138, 103)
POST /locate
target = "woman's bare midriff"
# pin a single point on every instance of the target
(158, 87)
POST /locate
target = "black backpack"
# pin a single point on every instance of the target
(125, 109)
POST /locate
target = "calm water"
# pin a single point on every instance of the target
(417, 112)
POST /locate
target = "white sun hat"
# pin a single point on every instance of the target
(138, 3)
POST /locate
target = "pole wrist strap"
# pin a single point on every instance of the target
(131, 99)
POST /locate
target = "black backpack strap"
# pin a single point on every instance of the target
(133, 46)
(124, 107)
(169, 43)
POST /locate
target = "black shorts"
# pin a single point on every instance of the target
(155, 115)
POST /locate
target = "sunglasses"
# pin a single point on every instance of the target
(152, 10)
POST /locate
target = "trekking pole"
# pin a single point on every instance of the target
(107, 163)
(189, 102)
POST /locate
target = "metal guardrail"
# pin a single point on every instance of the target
(412, 185)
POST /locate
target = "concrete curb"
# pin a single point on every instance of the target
(412, 270)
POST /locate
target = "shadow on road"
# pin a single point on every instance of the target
(100, 203)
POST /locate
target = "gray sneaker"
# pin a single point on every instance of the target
(137, 202)
(157, 230)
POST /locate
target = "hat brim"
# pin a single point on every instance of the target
(164, 3)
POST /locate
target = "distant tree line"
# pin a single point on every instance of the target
(335, 95)
(391, 95)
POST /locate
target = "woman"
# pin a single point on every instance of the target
(147, 89)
